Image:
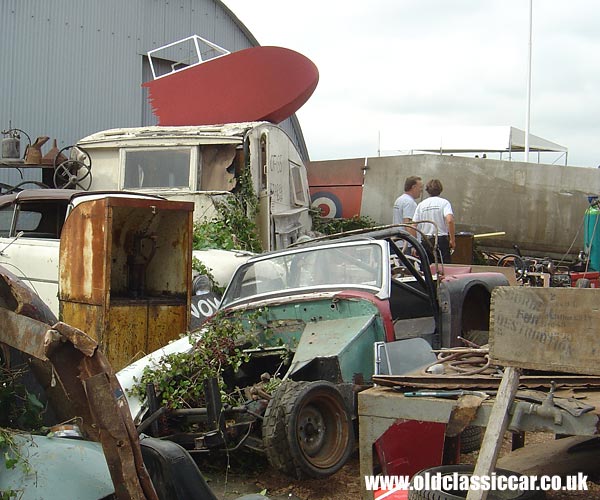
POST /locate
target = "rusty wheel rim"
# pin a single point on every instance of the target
(322, 430)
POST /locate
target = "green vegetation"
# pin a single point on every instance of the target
(235, 227)
(178, 378)
(19, 409)
(333, 226)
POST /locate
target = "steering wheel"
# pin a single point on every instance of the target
(513, 260)
(74, 172)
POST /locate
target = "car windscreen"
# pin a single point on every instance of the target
(343, 266)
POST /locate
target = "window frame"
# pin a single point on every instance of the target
(194, 167)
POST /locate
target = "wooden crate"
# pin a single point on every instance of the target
(551, 329)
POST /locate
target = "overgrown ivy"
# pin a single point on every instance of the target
(329, 226)
(234, 228)
(178, 377)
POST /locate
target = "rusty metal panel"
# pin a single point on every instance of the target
(18, 297)
(118, 448)
(90, 319)
(82, 266)
(127, 331)
(24, 333)
(164, 321)
(550, 329)
(102, 242)
(80, 340)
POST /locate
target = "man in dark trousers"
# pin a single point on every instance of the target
(435, 216)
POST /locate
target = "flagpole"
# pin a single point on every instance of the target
(528, 111)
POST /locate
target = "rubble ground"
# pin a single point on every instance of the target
(250, 473)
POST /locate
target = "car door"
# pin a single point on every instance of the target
(29, 245)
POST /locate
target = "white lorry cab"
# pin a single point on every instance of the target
(202, 164)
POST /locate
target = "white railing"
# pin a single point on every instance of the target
(197, 41)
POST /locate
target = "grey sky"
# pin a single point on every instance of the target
(393, 65)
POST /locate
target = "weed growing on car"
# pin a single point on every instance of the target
(235, 226)
(178, 378)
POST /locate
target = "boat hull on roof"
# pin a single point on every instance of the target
(255, 84)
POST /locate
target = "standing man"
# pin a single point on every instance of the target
(438, 211)
(405, 205)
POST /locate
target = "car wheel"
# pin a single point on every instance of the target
(456, 494)
(307, 429)
(470, 439)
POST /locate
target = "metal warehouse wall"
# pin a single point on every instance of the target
(73, 67)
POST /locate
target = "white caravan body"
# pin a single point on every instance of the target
(202, 163)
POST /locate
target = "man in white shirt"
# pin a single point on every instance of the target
(405, 205)
(437, 211)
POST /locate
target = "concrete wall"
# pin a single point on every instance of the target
(540, 207)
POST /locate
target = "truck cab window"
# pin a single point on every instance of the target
(41, 219)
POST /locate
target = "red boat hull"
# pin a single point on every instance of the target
(255, 84)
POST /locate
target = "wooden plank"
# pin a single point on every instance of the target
(494, 432)
(551, 329)
(555, 457)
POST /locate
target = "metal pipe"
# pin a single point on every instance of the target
(204, 411)
(151, 419)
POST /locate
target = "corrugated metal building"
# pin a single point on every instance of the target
(73, 67)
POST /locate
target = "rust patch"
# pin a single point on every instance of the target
(79, 339)
(463, 414)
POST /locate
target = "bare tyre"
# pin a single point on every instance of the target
(458, 473)
(470, 439)
(307, 429)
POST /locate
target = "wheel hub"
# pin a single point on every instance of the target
(311, 430)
